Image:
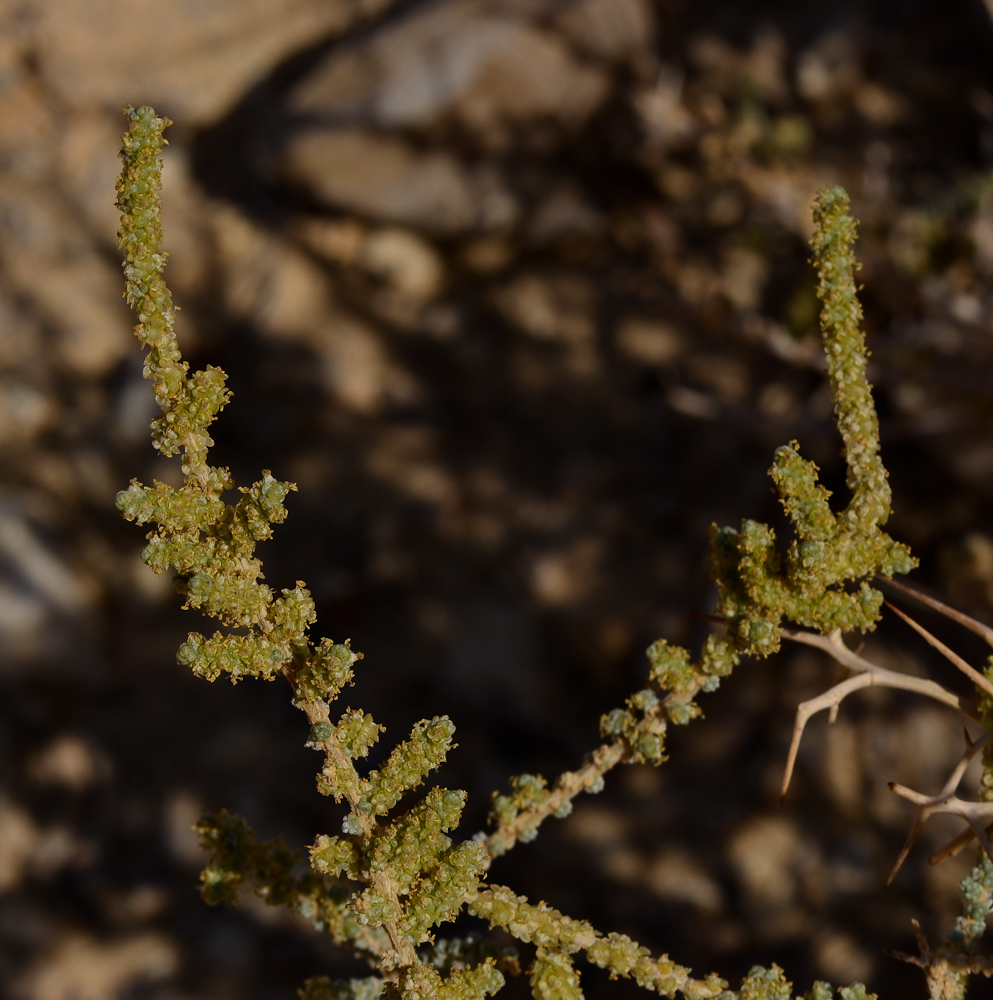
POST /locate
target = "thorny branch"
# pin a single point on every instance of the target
(946, 801)
(865, 674)
(978, 628)
(861, 673)
(971, 672)
(984, 631)
(944, 966)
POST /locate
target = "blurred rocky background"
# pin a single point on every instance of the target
(517, 292)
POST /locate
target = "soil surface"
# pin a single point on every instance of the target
(517, 292)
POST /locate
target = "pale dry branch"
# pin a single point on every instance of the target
(955, 846)
(923, 957)
(966, 621)
(944, 966)
(946, 801)
(867, 674)
(978, 628)
(971, 672)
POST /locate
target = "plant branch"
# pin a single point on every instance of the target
(946, 801)
(966, 621)
(867, 674)
(971, 672)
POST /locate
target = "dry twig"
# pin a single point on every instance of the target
(956, 616)
(866, 674)
(971, 672)
(946, 801)
(980, 629)
(944, 966)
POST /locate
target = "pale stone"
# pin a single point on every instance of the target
(357, 367)
(383, 177)
(568, 575)
(842, 959)
(80, 967)
(763, 854)
(70, 762)
(610, 29)
(89, 167)
(675, 875)
(192, 62)
(467, 58)
(55, 265)
(407, 263)
(180, 814)
(743, 276)
(42, 568)
(406, 458)
(25, 412)
(18, 836)
(650, 342)
(829, 69)
(94, 333)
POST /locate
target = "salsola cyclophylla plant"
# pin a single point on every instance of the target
(384, 886)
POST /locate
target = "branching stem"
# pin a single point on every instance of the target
(867, 674)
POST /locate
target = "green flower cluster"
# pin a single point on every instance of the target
(771, 984)
(415, 876)
(558, 936)
(272, 870)
(977, 891)
(378, 890)
(189, 405)
(824, 583)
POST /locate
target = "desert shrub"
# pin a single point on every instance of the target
(384, 886)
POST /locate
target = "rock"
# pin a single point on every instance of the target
(288, 295)
(21, 336)
(480, 63)
(244, 259)
(56, 267)
(407, 459)
(357, 366)
(193, 63)
(22, 622)
(567, 576)
(382, 177)
(27, 128)
(649, 342)
(187, 218)
(25, 412)
(89, 166)
(93, 328)
(48, 574)
(80, 967)
(338, 241)
(560, 308)
(609, 29)
(70, 762)
(829, 70)
(407, 263)
(295, 297)
(563, 212)
(664, 117)
(674, 874)
(18, 837)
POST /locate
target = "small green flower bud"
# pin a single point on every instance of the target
(321, 732)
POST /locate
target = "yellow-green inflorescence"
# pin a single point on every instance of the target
(383, 884)
(822, 581)
(379, 889)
